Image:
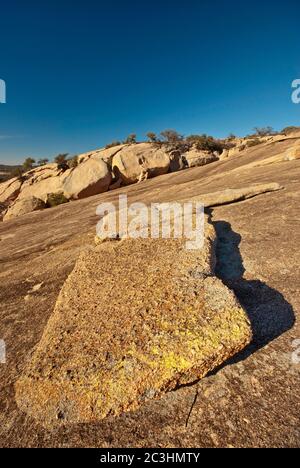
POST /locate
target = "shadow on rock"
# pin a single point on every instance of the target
(268, 311)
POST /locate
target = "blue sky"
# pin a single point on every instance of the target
(80, 74)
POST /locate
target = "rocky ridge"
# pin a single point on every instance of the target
(108, 169)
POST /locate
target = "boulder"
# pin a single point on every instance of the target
(40, 173)
(24, 206)
(106, 154)
(40, 189)
(292, 153)
(142, 158)
(9, 190)
(41, 181)
(135, 319)
(88, 178)
(195, 158)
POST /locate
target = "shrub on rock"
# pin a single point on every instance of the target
(55, 199)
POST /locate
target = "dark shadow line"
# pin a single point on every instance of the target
(268, 311)
(192, 407)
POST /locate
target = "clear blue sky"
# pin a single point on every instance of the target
(82, 73)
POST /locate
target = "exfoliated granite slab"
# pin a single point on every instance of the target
(136, 318)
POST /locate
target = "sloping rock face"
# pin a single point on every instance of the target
(235, 150)
(88, 178)
(2, 210)
(139, 161)
(226, 196)
(135, 319)
(197, 158)
(112, 227)
(24, 206)
(260, 236)
(224, 154)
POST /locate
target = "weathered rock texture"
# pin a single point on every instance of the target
(135, 319)
(41, 181)
(226, 196)
(24, 206)
(88, 178)
(136, 161)
(10, 190)
(197, 158)
(105, 154)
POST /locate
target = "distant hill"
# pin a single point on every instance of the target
(8, 168)
(6, 171)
